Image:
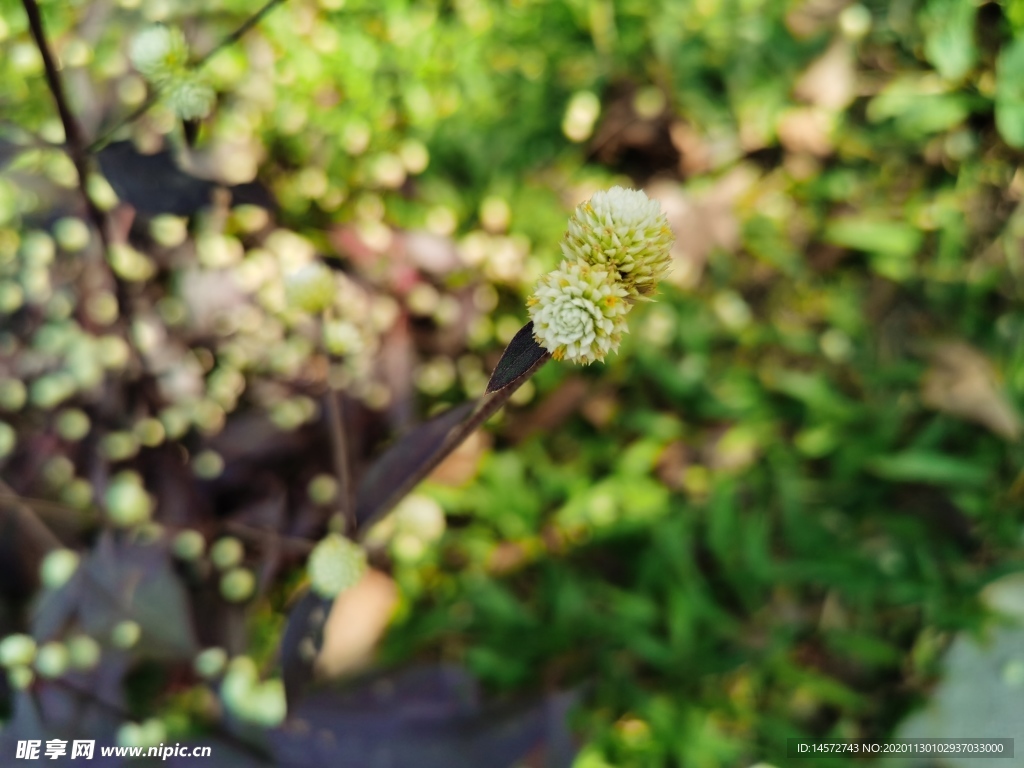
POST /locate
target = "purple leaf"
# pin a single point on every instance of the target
(518, 359)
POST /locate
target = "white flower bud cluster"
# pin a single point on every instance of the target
(616, 249)
(160, 54)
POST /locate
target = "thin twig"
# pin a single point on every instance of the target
(248, 24)
(73, 134)
(144, 107)
(339, 444)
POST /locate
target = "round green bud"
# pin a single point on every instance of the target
(52, 389)
(311, 288)
(58, 567)
(237, 585)
(240, 680)
(12, 394)
(37, 248)
(83, 652)
(125, 634)
(59, 471)
(149, 431)
(113, 352)
(266, 705)
(20, 677)
(52, 660)
(323, 489)
(127, 502)
(72, 234)
(12, 297)
(210, 663)
(101, 193)
(130, 735)
(227, 552)
(188, 545)
(118, 446)
(77, 493)
(207, 464)
(101, 307)
(72, 424)
(17, 650)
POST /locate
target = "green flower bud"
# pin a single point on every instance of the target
(237, 585)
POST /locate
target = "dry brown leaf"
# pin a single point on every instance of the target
(830, 80)
(806, 130)
(962, 382)
(708, 221)
(461, 464)
(357, 621)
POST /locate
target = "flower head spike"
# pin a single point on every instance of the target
(160, 53)
(579, 312)
(625, 230)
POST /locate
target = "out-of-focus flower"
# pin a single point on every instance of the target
(190, 95)
(159, 53)
(335, 565)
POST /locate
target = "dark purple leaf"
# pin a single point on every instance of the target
(406, 462)
(518, 359)
(303, 634)
(116, 582)
(420, 718)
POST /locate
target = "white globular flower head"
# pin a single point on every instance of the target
(190, 96)
(625, 230)
(335, 565)
(159, 53)
(579, 312)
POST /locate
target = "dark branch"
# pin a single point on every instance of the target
(73, 134)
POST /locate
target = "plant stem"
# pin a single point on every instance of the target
(339, 444)
(73, 134)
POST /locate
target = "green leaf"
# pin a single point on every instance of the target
(862, 233)
(1010, 93)
(929, 467)
(949, 46)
